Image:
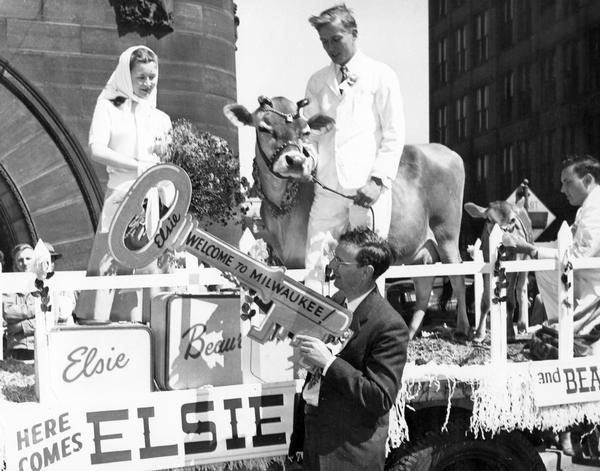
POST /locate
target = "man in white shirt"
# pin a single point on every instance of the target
(360, 157)
(580, 182)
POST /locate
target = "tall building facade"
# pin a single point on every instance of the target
(514, 89)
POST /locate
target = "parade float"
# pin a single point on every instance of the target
(202, 388)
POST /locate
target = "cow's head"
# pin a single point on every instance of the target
(281, 133)
(509, 217)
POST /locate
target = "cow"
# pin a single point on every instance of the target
(426, 204)
(514, 219)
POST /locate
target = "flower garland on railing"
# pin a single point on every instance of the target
(41, 268)
(500, 276)
(564, 278)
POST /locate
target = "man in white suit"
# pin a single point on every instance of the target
(360, 156)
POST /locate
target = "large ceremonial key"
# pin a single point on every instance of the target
(295, 308)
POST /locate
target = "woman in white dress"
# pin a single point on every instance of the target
(128, 134)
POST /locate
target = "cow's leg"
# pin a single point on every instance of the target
(448, 252)
(423, 288)
(511, 281)
(485, 309)
(521, 293)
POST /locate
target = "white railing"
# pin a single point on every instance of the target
(76, 280)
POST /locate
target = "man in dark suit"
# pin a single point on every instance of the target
(347, 397)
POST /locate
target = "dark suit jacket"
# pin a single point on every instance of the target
(357, 392)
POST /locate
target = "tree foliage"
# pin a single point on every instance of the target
(217, 189)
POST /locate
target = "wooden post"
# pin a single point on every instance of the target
(477, 280)
(565, 294)
(497, 309)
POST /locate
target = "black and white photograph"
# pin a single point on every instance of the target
(300, 235)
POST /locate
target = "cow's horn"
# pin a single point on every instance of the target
(302, 103)
(265, 101)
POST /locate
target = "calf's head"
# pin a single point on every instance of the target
(509, 217)
(281, 133)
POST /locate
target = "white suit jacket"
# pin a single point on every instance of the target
(586, 243)
(369, 132)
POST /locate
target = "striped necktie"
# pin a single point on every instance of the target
(344, 72)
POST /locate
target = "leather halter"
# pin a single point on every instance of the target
(280, 150)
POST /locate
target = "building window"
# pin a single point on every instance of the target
(524, 19)
(442, 124)
(508, 165)
(524, 106)
(481, 37)
(594, 59)
(506, 25)
(482, 100)
(507, 96)
(523, 158)
(441, 8)
(442, 61)
(547, 162)
(570, 70)
(483, 167)
(571, 6)
(548, 78)
(461, 49)
(461, 118)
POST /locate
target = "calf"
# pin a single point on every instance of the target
(510, 218)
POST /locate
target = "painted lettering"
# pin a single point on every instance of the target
(149, 451)
(198, 427)
(82, 362)
(258, 403)
(99, 456)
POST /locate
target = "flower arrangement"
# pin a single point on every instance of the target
(217, 189)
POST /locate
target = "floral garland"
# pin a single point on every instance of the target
(500, 276)
(289, 198)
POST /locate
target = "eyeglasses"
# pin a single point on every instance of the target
(338, 261)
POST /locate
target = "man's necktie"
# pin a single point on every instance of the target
(344, 72)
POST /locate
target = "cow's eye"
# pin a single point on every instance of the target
(265, 128)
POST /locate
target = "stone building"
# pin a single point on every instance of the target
(514, 88)
(55, 57)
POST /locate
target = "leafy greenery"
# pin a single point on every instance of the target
(217, 189)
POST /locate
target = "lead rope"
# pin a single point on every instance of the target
(326, 188)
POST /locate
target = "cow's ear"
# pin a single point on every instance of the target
(475, 211)
(321, 124)
(238, 115)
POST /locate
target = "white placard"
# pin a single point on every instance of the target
(566, 382)
(100, 360)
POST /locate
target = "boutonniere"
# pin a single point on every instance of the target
(351, 79)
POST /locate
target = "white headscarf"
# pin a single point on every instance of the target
(119, 83)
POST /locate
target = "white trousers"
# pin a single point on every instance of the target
(331, 215)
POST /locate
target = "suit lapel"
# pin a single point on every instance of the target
(360, 315)
(331, 81)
